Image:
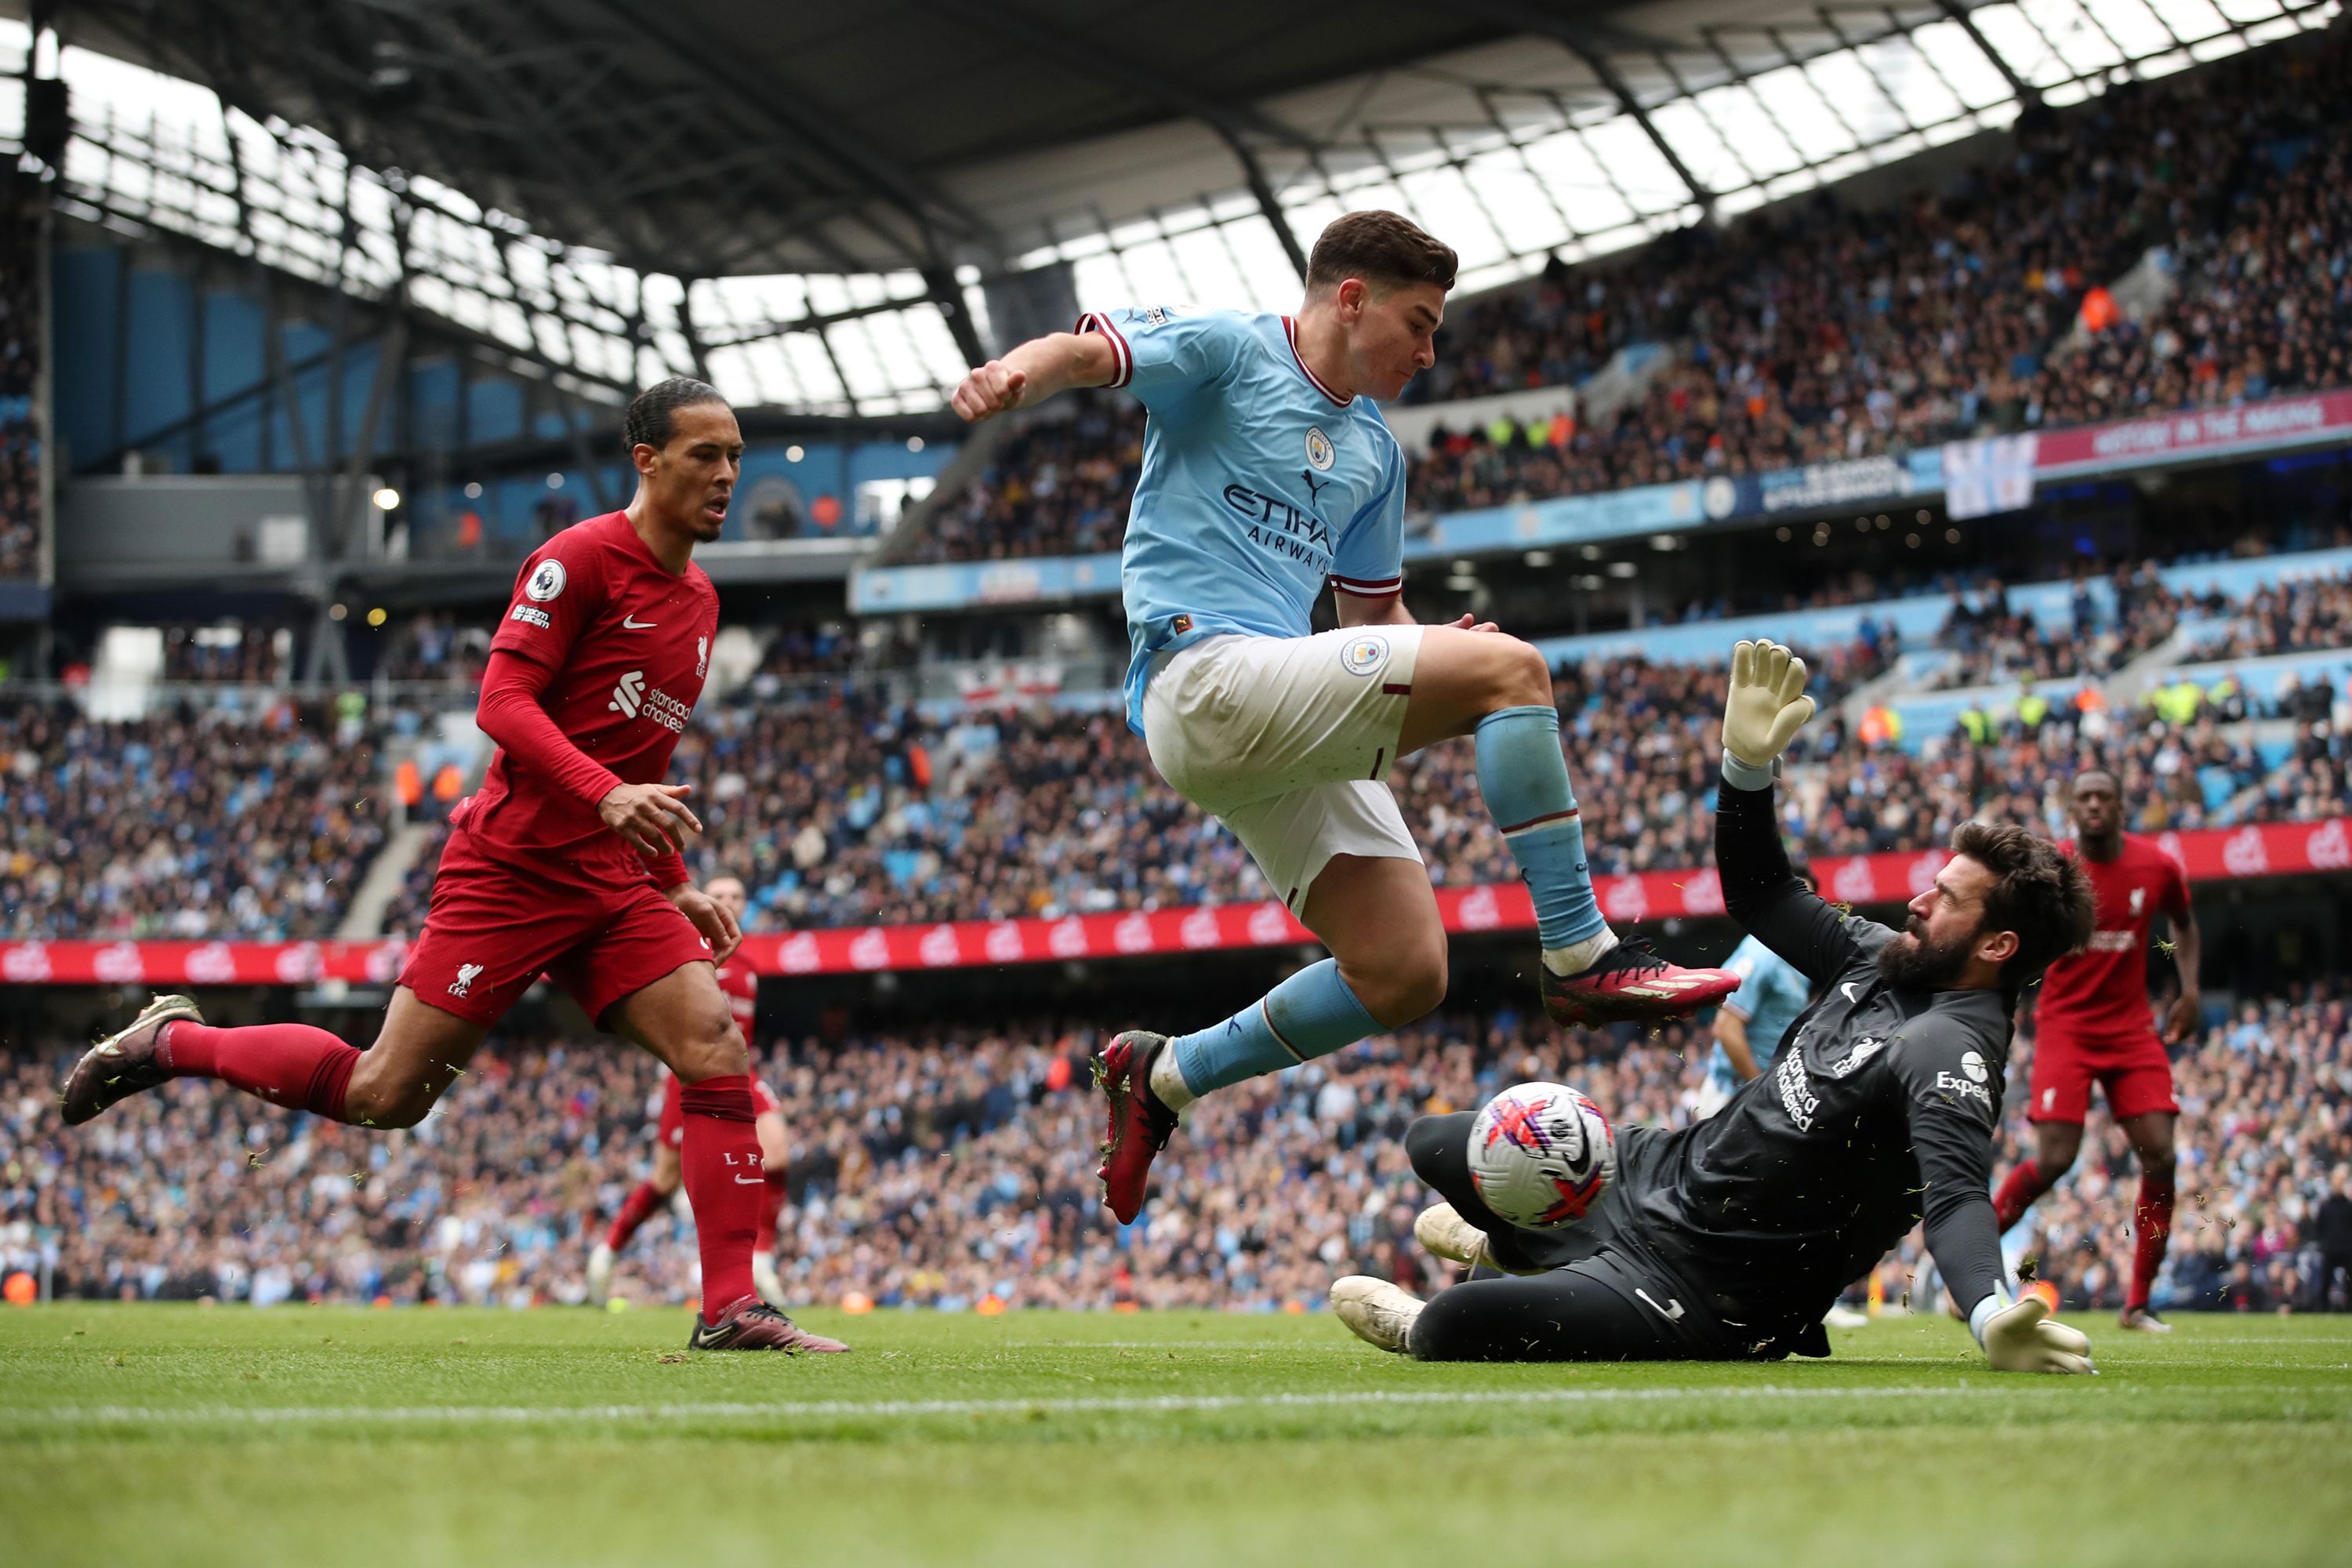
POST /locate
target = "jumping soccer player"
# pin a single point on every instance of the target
(567, 861)
(1726, 1240)
(1267, 473)
(741, 988)
(2092, 1022)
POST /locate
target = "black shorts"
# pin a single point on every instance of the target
(1602, 1297)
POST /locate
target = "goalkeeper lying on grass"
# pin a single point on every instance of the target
(1727, 1240)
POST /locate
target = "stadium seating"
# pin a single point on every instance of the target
(21, 332)
(253, 817)
(1820, 334)
(936, 1170)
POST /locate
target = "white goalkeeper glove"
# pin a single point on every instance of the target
(2018, 1336)
(1763, 710)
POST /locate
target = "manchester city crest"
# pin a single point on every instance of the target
(1319, 451)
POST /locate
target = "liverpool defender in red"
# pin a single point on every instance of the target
(567, 862)
(2093, 1023)
(742, 989)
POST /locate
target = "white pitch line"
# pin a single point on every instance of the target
(818, 1409)
(824, 1409)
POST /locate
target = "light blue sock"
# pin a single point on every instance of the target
(1524, 777)
(1310, 1014)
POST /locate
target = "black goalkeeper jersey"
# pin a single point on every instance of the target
(1881, 1109)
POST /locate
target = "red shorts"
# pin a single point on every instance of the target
(673, 1116)
(494, 927)
(2132, 1072)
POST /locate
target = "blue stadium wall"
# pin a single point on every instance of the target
(142, 347)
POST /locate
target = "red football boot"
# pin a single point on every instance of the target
(751, 1324)
(1139, 1125)
(1630, 982)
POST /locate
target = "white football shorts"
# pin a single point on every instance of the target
(1289, 742)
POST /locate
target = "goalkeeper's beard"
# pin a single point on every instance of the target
(1914, 963)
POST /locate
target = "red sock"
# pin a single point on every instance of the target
(772, 1207)
(638, 1209)
(725, 1185)
(286, 1064)
(2025, 1184)
(2152, 1229)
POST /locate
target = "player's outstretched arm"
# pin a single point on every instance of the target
(1035, 372)
(1763, 710)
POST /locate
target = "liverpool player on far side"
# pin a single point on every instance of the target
(2093, 1022)
(567, 861)
(741, 987)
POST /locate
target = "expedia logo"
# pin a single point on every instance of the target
(1364, 654)
(1320, 453)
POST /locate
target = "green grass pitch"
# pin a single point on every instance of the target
(327, 1435)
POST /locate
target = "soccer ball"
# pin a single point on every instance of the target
(1541, 1154)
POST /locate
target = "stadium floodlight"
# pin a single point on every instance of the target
(386, 499)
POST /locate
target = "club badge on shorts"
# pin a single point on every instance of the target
(1363, 655)
(1319, 450)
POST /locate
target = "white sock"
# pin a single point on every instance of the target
(1168, 1080)
(764, 1280)
(1578, 956)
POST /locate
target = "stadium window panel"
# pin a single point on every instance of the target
(1636, 167)
(1273, 284)
(1208, 266)
(2132, 25)
(2190, 21)
(2074, 34)
(814, 381)
(1802, 115)
(1156, 274)
(1696, 141)
(1740, 119)
(1577, 185)
(1449, 208)
(1955, 57)
(934, 347)
(1515, 201)
(2027, 50)
(1860, 101)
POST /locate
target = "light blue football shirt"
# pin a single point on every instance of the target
(1258, 486)
(1772, 993)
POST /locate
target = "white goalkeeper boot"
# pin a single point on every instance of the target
(1376, 1311)
(1444, 1233)
(600, 1275)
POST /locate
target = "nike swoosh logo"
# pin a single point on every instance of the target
(1847, 986)
(636, 625)
(1672, 1312)
(762, 1180)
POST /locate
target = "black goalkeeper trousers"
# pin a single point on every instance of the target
(1596, 1300)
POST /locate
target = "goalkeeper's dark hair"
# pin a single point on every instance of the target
(651, 418)
(2038, 892)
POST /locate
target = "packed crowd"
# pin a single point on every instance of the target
(942, 1169)
(250, 653)
(2290, 617)
(20, 369)
(1994, 643)
(189, 822)
(1820, 332)
(2265, 1141)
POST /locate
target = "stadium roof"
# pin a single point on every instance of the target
(806, 204)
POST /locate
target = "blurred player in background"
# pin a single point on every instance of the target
(2092, 1022)
(1752, 1022)
(1269, 475)
(741, 988)
(567, 861)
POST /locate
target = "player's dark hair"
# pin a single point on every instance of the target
(2040, 894)
(652, 411)
(2098, 770)
(1382, 249)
